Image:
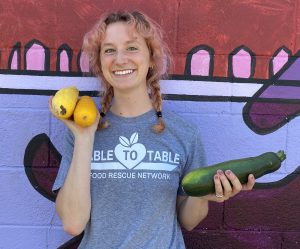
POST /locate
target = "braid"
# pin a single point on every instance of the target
(105, 103)
(157, 105)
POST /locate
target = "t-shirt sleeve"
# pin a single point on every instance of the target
(195, 159)
(65, 161)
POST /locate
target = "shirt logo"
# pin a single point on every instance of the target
(129, 152)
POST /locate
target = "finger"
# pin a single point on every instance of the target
(50, 102)
(235, 182)
(50, 106)
(218, 186)
(250, 184)
(227, 189)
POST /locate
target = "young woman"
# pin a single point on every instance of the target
(119, 179)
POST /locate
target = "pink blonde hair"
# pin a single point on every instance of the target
(159, 55)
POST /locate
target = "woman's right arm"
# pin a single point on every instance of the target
(73, 201)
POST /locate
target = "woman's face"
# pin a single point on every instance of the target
(125, 57)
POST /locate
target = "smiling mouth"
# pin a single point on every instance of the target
(123, 72)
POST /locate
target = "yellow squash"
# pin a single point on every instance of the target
(64, 102)
(85, 112)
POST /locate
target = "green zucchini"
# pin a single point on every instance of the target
(199, 182)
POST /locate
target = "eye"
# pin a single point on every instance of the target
(109, 51)
(132, 49)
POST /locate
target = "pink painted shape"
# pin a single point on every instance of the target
(200, 63)
(280, 60)
(84, 62)
(64, 62)
(14, 61)
(241, 64)
(35, 58)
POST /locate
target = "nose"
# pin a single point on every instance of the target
(121, 58)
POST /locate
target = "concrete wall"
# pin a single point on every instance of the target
(236, 75)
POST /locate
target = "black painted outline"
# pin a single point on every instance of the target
(41, 92)
(230, 58)
(46, 50)
(280, 183)
(30, 150)
(41, 73)
(173, 97)
(64, 47)
(271, 68)
(211, 52)
(78, 61)
(255, 98)
(16, 48)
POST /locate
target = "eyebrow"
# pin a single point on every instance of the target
(127, 42)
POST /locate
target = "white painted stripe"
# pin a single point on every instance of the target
(195, 87)
(245, 89)
(48, 82)
(144, 166)
(184, 87)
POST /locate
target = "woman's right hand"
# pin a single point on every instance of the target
(75, 128)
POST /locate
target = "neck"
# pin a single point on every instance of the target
(131, 104)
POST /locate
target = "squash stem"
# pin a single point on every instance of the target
(281, 155)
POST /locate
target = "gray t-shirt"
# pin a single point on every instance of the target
(135, 179)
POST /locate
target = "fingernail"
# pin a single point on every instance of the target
(220, 172)
(228, 172)
(216, 177)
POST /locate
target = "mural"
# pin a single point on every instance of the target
(235, 76)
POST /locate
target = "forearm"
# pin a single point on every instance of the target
(191, 211)
(73, 202)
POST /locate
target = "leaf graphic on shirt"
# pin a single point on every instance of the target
(134, 138)
(124, 141)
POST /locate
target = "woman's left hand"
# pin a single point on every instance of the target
(228, 185)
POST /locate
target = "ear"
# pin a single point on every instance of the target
(151, 64)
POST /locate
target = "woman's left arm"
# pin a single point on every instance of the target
(192, 210)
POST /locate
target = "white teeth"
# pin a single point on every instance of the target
(123, 72)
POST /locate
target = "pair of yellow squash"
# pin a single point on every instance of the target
(65, 103)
